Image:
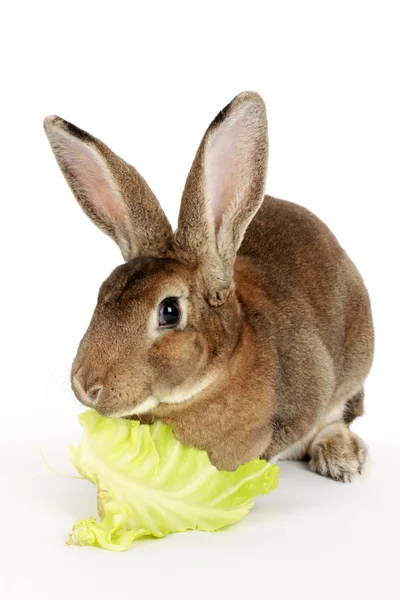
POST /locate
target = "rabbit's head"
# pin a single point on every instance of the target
(167, 320)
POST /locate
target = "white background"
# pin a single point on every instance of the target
(147, 78)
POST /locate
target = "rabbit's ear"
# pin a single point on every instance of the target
(111, 192)
(224, 190)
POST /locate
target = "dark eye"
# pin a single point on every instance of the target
(169, 313)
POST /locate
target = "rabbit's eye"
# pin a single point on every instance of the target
(169, 313)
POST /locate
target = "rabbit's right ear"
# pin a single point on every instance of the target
(111, 192)
(224, 189)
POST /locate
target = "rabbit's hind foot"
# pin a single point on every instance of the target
(338, 453)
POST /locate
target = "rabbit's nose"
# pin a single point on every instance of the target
(94, 393)
(89, 396)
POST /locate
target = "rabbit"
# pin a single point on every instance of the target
(248, 329)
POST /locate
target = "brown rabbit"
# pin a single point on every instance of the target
(249, 329)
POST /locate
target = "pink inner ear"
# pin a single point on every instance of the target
(92, 175)
(228, 162)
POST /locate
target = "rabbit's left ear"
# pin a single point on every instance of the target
(224, 189)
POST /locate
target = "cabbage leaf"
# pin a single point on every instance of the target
(149, 484)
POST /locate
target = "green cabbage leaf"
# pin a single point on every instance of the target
(149, 484)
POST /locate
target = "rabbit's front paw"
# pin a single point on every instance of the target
(338, 453)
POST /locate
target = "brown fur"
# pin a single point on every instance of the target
(278, 332)
(354, 407)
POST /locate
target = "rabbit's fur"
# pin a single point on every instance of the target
(275, 338)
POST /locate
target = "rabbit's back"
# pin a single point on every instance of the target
(294, 246)
(300, 263)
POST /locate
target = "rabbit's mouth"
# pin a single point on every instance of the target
(143, 407)
(179, 395)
